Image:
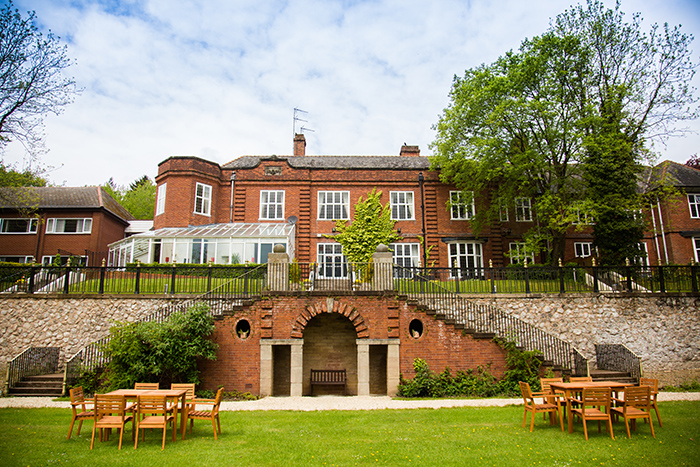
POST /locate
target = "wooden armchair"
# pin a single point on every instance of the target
(594, 405)
(153, 412)
(110, 412)
(212, 414)
(636, 404)
(80, 410)
(545, 407)
(546, 389)
(654, 385)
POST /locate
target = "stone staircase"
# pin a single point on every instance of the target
(39, 386)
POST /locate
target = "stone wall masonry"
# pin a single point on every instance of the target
(69, 323)
(663, 330)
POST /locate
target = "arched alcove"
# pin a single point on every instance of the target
(330, 344)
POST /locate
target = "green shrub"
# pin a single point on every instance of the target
(691, 386)
(160, 352)
(465, 383)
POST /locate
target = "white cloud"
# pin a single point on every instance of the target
(220, 79)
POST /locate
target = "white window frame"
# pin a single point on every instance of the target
(582, 218)
(25, 259)
(694, 205)
(272, 201)
(57, 225)
(466, 259)
(460, 208)
(332, 204)
(583, 249)
(503, 213)
(402, 205)
(202, 201)
(332, 263)
(49, 259)
(523, 210)
(32, 225)
(160, 199)
(515, 258)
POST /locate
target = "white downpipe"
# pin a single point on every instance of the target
(656, 233)
(663, 231)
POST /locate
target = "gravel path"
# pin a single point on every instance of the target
(336, 402)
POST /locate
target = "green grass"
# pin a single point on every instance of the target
(488, 436)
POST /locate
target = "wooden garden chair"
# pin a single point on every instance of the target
(636, 404)
(146, 386)
(545, 407)
(594, 405)
(153, 412)
(80, 409)
(110, 412)
(654, 385)
(546, 389)
(212, 414)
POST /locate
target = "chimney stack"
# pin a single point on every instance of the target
(299, 145)
(410, 151)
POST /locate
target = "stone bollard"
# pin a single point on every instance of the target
(278, 269)
(383, 260)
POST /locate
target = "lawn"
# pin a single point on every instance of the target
(491, 436)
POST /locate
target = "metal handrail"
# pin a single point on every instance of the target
(485, 318)
(31, 362)
(617, 357)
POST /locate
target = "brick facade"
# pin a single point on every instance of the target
(329, 329)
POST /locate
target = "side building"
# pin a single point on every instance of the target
(46, 224)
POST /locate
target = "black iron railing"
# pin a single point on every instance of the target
(336, 276)
(31, 362)
(475, 318)
(617, 357)
(136, 279)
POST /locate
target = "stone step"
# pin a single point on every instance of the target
(50, 385)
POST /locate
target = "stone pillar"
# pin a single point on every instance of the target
(383, 260)
(278, 269)
(393, 368)
(296, 376)
(362, 367)
(266, 367)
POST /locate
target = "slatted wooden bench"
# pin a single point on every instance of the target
(328, 378)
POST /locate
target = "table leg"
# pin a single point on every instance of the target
(183, 417)
(569, 415)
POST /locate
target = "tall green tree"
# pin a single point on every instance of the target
(370, 227)
(639, 88)
(566, 121)
(139, 199)
(32, 81)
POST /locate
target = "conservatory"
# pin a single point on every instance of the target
(217, 243)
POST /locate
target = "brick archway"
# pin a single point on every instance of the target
(330, 305)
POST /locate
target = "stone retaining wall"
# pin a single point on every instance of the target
(663, 330)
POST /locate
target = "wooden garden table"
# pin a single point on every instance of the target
(569, 388)
(171, 394)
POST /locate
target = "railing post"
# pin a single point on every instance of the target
(493, 279)
(693, 277)
(245, 278)
(209, 277)
(66, 281)
(102, 277)
(455, 274)
(662, 282)
(562, 288)
(595, 276)
(137, 285)
(628, 273)
(172, 279)
(527, 278)
(32, 273)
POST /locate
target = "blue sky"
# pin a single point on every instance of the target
(219, 79)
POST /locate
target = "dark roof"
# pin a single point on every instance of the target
(336, 162)
(676, 174)
(60, 197)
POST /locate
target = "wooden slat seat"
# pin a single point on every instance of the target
(329, 378)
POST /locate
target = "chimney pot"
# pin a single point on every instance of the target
(299, 145)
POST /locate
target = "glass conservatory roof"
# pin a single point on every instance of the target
(236, 230)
